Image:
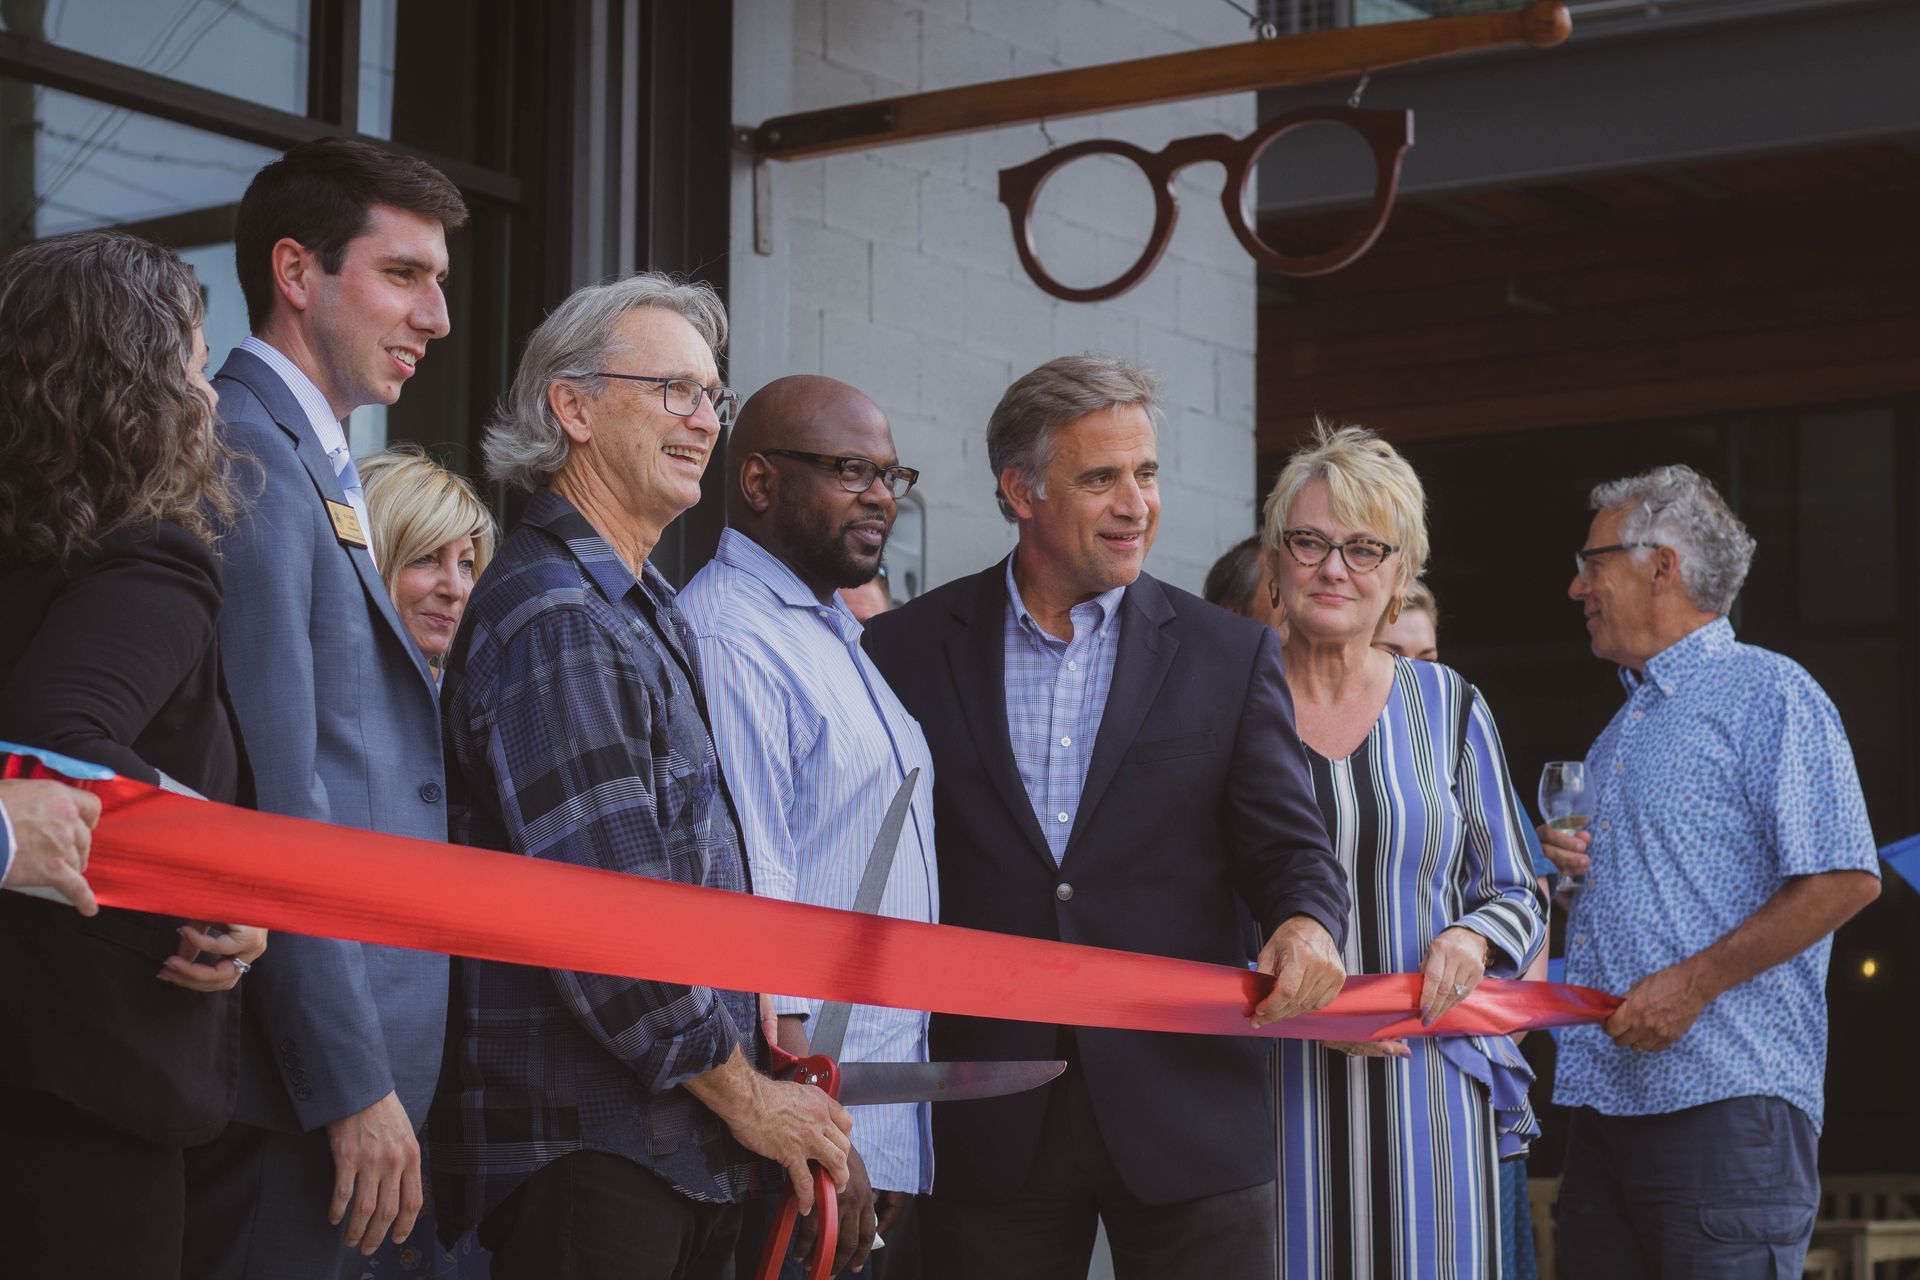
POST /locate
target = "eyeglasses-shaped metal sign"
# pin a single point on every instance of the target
(1387, 133)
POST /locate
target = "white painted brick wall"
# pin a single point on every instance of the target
(895, 270)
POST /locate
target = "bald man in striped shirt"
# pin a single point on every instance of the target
(812, 741)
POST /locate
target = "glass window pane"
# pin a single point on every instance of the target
(436, 74)
(68, 163)
(226, 325)
(379, 22)
(256, 50)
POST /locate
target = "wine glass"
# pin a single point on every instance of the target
(1564, 807)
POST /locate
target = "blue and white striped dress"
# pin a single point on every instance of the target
(1388, 1166)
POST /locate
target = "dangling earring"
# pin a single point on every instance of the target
(1393, 610)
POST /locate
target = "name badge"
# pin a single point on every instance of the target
(346, 524)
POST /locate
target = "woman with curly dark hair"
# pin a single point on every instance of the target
(123, 1027)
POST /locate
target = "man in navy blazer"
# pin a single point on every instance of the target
(341, 251)
(1116, 765)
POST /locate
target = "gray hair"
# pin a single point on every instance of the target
(525, 444)
(1678, 507)
(1021, 432)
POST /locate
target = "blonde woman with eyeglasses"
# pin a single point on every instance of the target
(1387, 1149)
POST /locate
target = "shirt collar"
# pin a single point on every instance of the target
(739, 552)
(1109, 602)
(550, 511)
(1679, 660)
(326, 427)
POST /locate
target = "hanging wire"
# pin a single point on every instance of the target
(1261, 28)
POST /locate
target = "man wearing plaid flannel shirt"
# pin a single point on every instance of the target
(590, 1125)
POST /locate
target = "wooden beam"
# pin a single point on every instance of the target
(1397, 265)
(1467, 215)
(1312, 58)
(1569, 199)
(1870, 380)
(1717, 372)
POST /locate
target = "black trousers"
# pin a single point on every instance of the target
(596, 1216)
(1046, 1231)
(79, 1199)
(1725, 1191)
(257, 1209)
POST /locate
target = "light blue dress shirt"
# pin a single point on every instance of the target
(1056, 697)
(1725, 773)
(814, 745)
(326, 428)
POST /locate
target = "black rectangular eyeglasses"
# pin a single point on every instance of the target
(1585, 554)
(857, 474)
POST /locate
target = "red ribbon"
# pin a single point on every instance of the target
(165, 853)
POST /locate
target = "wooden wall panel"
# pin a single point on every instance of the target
(1734, 286)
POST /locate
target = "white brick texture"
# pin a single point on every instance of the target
(899, 266)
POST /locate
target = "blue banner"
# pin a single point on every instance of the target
(1904, 856)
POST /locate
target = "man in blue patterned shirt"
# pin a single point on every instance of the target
(591, 1125)
(1728, 840)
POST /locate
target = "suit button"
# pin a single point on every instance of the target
(303, 1094)
(430, 792)
(1064, 892)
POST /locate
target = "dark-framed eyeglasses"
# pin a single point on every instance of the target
(681, 396)
(857, 474)
(1585, 554)
(1311, 548)
(1387, 133)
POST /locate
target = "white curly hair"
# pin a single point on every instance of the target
(1678, 507)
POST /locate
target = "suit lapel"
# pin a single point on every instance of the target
(1145, 652)
(251, 372)
(977, 654)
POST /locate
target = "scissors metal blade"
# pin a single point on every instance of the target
(829, 1030)
(868, 1083)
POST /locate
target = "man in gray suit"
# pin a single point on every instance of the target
(341, 252)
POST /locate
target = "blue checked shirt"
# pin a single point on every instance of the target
(814, 745)
(1724, 774)
(575, 732)
(1056, 697)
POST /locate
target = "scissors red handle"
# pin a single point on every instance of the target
(825, 1073)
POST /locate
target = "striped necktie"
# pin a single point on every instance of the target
(342, 460)
(349, 475)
